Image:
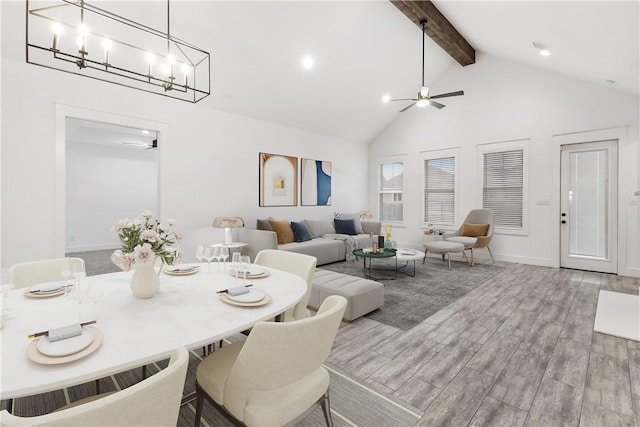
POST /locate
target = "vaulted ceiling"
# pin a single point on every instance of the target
(364, 49)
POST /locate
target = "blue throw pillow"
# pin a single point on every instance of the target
(301, 232)
(345, 226)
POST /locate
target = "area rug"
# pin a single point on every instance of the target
(410, 300)
(618, 314)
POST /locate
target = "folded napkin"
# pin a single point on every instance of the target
(46, 287)
(64, 332)
(182, 268)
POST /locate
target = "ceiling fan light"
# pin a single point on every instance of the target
(424, 91)
(422, 102)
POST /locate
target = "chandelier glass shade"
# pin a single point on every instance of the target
(79, 38)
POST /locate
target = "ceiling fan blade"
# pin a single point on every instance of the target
(436, 104)
(445, 95)
(407, 99)
(407, 107)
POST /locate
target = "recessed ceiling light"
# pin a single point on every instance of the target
(386, 98)
(543, 48)
(307, 62)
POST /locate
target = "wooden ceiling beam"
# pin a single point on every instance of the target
(438, 28)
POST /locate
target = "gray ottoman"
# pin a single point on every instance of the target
(443, 248)
(363, 295)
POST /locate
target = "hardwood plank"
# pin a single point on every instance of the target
(457, 403)
(555, 404)
(569, 363)
(495, 354)
(493, 413)
(578, 328)
(608, 384)
(444, 366)
(418, 393)
(594, 415)
(519, 381)
(483, 328)
(608, 345)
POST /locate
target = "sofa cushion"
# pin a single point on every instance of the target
(474, 230)
(263, 224)
(283, 231)
(345, 226)
(301, 232)
(320, 228)
(354, 217)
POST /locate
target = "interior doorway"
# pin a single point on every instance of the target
(588, 206)
(111, 173)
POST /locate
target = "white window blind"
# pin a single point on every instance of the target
(390, 193)
(503, 179)
(439, 190)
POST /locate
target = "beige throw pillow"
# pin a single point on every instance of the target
(283, 231)
(474, 230)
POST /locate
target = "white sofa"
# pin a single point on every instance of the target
(326, 250)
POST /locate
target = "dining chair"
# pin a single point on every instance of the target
(475, 233)
(154, 401)
(31, 273)
(276, 376)
(298, 264)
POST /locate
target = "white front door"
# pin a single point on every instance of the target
(588, 214)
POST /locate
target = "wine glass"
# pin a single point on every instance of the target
(6, 285)
(94, 293)
(65, 272)
(209, 254)
(200, 253)
(245, 262)
(217, 253)
(235, 264)
(224, 255)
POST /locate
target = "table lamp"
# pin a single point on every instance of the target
(228, 223)
(365, 215)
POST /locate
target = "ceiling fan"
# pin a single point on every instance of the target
(423, 98)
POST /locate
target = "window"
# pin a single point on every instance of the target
(391, 189)
(439, 190)
(503, 187)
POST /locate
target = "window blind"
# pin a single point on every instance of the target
(503, 187)
(390, 193)
(439, 190)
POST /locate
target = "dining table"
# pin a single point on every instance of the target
(186, 312)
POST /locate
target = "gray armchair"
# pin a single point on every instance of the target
(472, 233)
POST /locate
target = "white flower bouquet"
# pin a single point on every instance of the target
(144, 239)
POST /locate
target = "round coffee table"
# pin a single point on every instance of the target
(408, 255)
(388, 253)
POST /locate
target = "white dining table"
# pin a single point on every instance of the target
(185, 312)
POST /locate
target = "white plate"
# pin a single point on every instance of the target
(254, 270)
(253, 295)
(66, 346)
(182, 270)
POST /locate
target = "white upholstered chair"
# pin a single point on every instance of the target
(298, 264)
(34, 272)
(472, 232)
(154, 401)
(276, 376)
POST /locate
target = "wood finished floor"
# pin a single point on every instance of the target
(519, 350)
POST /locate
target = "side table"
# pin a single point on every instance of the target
(230, 246)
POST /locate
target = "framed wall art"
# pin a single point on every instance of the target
(278, 180)
(315, 182)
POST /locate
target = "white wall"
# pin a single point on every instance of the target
(104, 184)
(208, 158)
(506, 101)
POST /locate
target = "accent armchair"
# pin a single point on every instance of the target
(475, 233)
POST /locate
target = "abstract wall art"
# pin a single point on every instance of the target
(278, 180)
(315, 179)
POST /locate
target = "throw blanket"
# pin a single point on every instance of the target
(351, 243)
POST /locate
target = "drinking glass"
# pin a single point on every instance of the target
(217, 254)
(6, 285)
(200, 253)
(94, 294)
(235, 264)
(209, 255)
(245, 262)
(224, 255)
(65, 272)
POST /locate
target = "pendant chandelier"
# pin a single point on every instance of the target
(76, 37)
